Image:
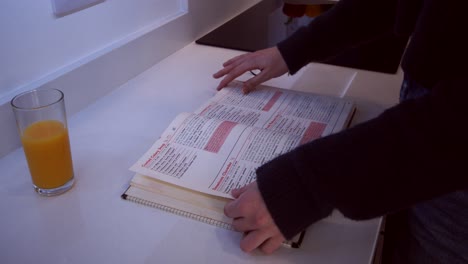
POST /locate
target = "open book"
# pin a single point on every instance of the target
(191, 169)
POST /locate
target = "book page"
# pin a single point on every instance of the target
(220, 146)
(211, 155)
(292, 112)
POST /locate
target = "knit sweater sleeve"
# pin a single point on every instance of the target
(348, 24)
(410, 153)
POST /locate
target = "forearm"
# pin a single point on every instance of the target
(410, 153)
(348, 24)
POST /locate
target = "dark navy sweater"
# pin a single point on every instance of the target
(413, 152)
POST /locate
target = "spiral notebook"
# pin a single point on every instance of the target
(184, 202)
(192, 167)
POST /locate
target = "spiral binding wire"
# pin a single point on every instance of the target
(172, 210)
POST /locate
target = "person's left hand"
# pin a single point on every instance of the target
(269, 61)
(251, 216)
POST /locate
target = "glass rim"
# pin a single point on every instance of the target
(12, 102)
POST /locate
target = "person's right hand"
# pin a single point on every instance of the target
(269, 61)
(250, 216)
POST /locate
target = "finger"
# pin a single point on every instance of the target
(230, 61)
(253, 82)
(229, 77)
(224, 82)
(231, 209)
(237, 192)
(272, 244)
(227, 69)
(253, 240)
(241, 224)
(234, 73)
(220, 73)
(245, 224)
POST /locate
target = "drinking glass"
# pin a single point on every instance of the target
(42, 126)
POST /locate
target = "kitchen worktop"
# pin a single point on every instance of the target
(91, 223)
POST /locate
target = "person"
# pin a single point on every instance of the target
(409, 162)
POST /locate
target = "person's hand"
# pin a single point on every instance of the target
(252, 217)
(269, 61)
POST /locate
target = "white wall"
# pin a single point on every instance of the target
(36, 46)
(76, 58)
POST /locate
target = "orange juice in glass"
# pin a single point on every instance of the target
(42, 125)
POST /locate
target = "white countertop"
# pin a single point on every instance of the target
(92, 224)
